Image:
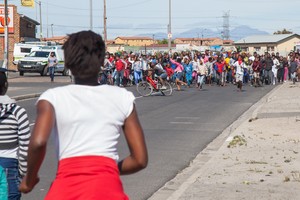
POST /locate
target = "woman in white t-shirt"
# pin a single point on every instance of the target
(86, 119)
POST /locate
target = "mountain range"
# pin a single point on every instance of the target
(236, 33)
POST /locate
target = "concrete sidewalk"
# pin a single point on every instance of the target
(31, 86)
(257, 157)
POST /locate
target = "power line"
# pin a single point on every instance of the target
(101, 9)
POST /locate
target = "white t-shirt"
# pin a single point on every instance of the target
(239, 68)
(88, 118)
(52, 61)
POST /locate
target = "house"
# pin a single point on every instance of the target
(199, 41)
(20, 29)
(134, 41)
(283, 43)
(56, 39)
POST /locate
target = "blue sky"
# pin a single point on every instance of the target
(134, 17)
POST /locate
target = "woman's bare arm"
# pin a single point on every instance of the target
(138, 158)
(38, 143)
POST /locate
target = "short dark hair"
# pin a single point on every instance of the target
(3, 83)
(84, 53)
(3, 78)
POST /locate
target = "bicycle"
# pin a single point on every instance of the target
(148, 86)
(105, 77)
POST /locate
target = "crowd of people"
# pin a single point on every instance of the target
(87, 137)
(89, 166)
(199, 68)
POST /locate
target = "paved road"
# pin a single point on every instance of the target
(177, 128)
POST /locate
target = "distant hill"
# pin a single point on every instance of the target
(244, 31)
(235, 34)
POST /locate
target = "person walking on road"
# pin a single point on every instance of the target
(202, 73)
(137, 69)
(120, 67)
(275, 68)
(14, 137)
(179, 73)
(239, 70)
(293, 69)
(52, 63)
(188, 69)
(268, 69)
(86, 119)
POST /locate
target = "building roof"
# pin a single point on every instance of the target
(29, 19)
(110, 42)
(161, 45)
(228, 41)
(265, 38)
(57, 39)
(135, 38)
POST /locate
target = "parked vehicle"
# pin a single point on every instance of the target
(37, 61)
(23, 49)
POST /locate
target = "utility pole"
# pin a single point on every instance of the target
(91, 15)
(226, 32)
(6, 45)
(47, 22)
(153, 43)
(169, 27)
(104, 23)
(52, 29)
(41, 27)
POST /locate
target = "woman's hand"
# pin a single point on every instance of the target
(25, 187)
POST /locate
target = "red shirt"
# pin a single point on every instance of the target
(111, 59)
(256, 66)
(220, 66)
(119, 65)
(169, 71)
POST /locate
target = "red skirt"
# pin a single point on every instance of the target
(87, 177)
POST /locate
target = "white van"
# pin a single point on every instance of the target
(23, 49)
(37, 61)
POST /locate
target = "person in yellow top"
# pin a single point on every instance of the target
(228, 72)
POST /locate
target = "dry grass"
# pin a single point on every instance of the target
(237, 141)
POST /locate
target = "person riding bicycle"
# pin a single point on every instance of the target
(160, 72)
(105, 70)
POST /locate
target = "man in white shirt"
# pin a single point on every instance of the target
(274, 69)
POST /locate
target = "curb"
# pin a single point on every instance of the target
(174, 188)
(26, 96)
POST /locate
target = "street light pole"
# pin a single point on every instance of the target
(52, 29)
(153, 43)
(41, 27)
(104, 23)
(202, 36)
(6, 45)
(169, 27)
(91, 15)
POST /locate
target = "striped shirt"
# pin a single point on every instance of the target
(14, 132)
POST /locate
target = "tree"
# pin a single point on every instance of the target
(284, 31)
(164, 41)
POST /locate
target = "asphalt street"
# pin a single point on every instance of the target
(177, 129)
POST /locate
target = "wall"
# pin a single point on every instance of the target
(12, 38)
(134, 42)
(286, 47)
(21, 30)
